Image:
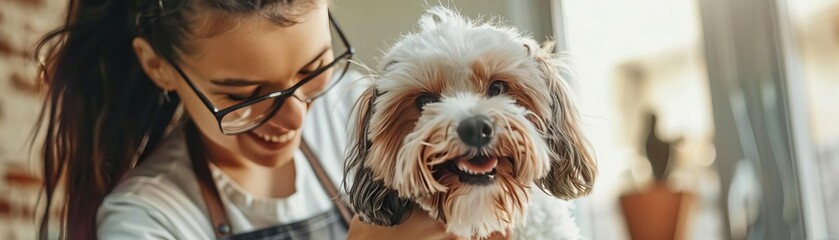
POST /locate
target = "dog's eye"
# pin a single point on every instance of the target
(424, 99)
(496, 88)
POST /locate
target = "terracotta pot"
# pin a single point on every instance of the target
(657, 213)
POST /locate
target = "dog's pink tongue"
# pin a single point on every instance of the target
(478, 165)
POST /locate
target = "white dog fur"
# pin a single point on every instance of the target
(472, 122)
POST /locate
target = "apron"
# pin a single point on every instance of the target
(329, 225)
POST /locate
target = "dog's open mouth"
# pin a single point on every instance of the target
(478, 170)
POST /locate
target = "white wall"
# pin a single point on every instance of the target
(373, 25)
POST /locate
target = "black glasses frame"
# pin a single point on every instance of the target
(280, 96)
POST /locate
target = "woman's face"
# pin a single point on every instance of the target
(253, 59)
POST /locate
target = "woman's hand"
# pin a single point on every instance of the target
(419, 225)
(500, 236)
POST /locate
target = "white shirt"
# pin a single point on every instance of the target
(161, 198)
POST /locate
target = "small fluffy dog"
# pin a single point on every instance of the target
(463, 120)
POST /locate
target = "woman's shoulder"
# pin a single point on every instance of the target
(152, 206)
(159, 197)
(166, 173)
(156, 183)
(150, 211)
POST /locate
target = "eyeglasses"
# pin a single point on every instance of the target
(251, 113)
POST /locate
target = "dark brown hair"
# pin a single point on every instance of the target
(102, 112)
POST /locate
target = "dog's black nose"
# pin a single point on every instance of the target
(475, 131)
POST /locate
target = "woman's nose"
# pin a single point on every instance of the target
(291, 115)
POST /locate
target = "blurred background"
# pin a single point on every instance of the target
(710, 119)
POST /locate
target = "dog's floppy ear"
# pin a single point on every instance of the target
(370, 198)
(573, 168)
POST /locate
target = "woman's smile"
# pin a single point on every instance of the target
(280, 138)
(272, 142)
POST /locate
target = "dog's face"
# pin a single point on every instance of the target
(462, 120)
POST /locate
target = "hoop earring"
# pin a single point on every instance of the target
(42, 69)
(163, 97)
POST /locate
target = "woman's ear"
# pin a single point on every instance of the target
(156, 68)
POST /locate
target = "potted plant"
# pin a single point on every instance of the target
(656, 211)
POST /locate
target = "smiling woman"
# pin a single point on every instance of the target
(115, 126)
(184, 119)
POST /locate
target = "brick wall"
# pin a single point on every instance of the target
(22, 22)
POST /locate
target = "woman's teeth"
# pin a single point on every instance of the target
(285, 137)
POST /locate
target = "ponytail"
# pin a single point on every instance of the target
(102, 110)
(103, 113)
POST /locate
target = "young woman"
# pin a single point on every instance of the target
(123, 163)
